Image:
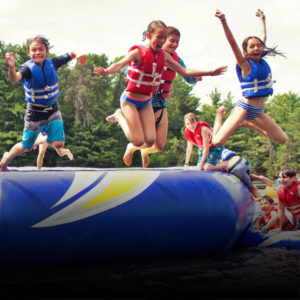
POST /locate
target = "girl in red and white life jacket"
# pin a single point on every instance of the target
(159, 102)
(288, 197)
(255, 77)
(145, 69)
(199, 133)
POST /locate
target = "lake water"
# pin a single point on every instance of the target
(250, 273)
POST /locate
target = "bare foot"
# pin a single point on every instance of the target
(114, 117)
(221, 110)
(145, 159)
(69, 154)
(3, 166)
(127, 158)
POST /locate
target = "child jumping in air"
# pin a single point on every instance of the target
(145, 68)
(40, 82)
(255, 77)
(159, 102)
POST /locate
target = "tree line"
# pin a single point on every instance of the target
(86, 100)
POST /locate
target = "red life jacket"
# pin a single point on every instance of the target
(196, 137)
(266, 217)
(145, 77)
(167, 79)
(290, 199)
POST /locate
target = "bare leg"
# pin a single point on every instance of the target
(41, 155)
(64, 151)
(221, 135)
(268, 127)
(16, 150)
(139, 128)
(161, 137)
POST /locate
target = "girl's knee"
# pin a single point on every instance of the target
(217, 141)
(283, 139)
(57, 144)
(160, 146)
(149, 142)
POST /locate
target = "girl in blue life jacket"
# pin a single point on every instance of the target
(255, 78)
(40, 82)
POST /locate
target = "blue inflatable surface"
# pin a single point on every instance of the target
(93, 214)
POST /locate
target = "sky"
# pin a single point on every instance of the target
(111, 27)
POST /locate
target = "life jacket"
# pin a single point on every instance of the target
(42, 87)
(145, 77)
(266, 217)
(226, 154)
(167, 79)
(196, 137)
(259, 82)
(290, 199)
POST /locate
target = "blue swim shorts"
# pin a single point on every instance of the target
(252, 111)
(213, 155)
(54, 130)
(137, 103)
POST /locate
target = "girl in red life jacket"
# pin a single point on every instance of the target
(159, 102)
(269, 218)
(288, 197)
(255, 77)
(146, 65)
(200, 134)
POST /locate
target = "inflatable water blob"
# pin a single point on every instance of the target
(77, 215)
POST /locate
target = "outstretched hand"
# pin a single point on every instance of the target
(220, 15)
(81, 59)
(100, 71)
(260, 14)
(10, 59)
(219, 71)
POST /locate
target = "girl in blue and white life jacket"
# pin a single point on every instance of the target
(145, 68)
(40, 82)
(255, 78)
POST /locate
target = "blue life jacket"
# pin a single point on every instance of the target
(259, 82)
(42, 87)
(226, 154)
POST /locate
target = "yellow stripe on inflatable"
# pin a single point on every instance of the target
(120, 184)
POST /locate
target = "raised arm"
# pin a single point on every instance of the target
(241, 60)
(187, 72)
(263, 31)
(133, 55)
(13, 75)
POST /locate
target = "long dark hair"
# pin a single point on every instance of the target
(266, 51)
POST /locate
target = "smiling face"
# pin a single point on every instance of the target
(254, 49)
(38, 52)
(286, 181)
(265, 204)
(157, 38)
(172, 43)
(190, 124)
